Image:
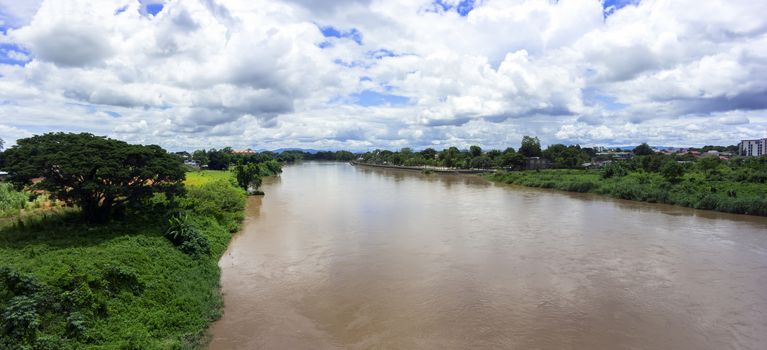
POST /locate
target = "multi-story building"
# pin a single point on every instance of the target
(753, 148)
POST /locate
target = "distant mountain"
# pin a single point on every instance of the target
(306, 150)
(631, 148)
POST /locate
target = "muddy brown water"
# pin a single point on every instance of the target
(341, 257)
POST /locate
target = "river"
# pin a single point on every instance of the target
(343, 257)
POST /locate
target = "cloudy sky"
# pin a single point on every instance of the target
(330, 74)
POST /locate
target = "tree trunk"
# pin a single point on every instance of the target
(97, 212)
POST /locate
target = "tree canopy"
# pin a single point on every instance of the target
(531, 147)
(643, 150)
(566, 156)
(97, 173)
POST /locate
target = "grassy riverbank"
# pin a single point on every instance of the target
(695, 189)
(123, 285)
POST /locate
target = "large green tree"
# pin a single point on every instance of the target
(531, 147)
(643, 150)
(247, 175)
(96, 173)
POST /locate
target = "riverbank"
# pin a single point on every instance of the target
(693, 190)
(424, 168)
(123, 285)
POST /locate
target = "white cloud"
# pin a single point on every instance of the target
(204, 73)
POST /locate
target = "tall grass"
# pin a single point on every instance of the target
(11, 201)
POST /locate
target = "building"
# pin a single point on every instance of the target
(192, 164)
(244, 151)
(753, 148)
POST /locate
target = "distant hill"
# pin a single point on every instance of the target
(306, 150)
(631, 148)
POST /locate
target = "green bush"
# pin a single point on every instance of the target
(11, 200)
(614, 169)
(183, 234)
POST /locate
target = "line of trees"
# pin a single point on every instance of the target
(561, 156)
(222, 159)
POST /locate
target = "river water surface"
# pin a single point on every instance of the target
(343, 257)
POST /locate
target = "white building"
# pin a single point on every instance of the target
(753, 148)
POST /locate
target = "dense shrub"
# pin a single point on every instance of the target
(220, 199)
(37, 315)
(614, 169)
(186, 236)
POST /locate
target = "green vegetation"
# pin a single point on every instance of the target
(531, 147)
(140, 282)
(81, 277)
(198, 178)
(643, 150)
(556, 156)
(737, 186)
(227, 158)
(11, 201)
(451, 157)
(249, 175)
(98, 174)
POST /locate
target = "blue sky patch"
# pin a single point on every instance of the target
(113, 114)
(381, 53)
(121, 10)
(154, 9)
(463, 8)
(352, 64)
(12, 54)
(332, 32)
(610, 6)
(593, 96)
(368, 98)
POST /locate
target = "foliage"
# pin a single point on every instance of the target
(200, 157)
(672, 170)
(250, 175)
(531, 147)
(96, 173)
(65, 284)
(643, 150)
(474, 157)
(11, 200)
(220, 199)
(614, 169)
(247, 176)
(736, 188)
(569, 157)
(186, 236)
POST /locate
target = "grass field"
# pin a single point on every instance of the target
(201, 177)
